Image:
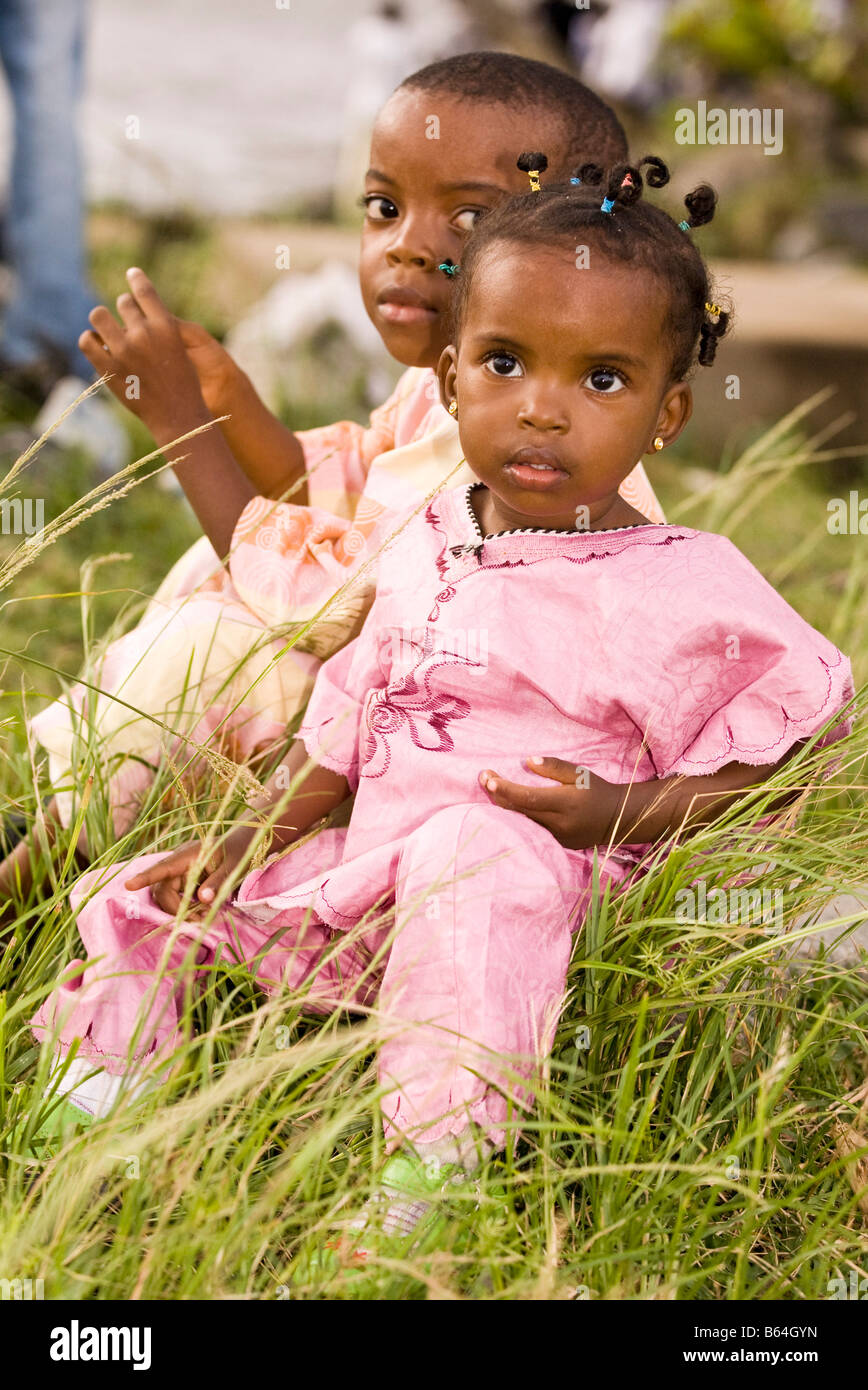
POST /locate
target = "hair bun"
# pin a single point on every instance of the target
(701, 204)
(590, 173)
(625, 184)
(532, 159)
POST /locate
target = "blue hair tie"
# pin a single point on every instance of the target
(575, 180)
(684, 226)
(607, 205)
(449, 268)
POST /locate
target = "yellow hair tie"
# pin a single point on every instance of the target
(712, 308)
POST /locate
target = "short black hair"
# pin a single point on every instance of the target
(591, 128)
(633, 232)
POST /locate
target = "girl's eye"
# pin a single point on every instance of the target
(503, 364)
(379, 208)
(465, 221)
(606, 381)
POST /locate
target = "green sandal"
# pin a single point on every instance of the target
(62, 1123)
(442, 1198)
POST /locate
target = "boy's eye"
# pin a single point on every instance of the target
(467, 219)
(503, 364)
(379, 208)
(606, 381)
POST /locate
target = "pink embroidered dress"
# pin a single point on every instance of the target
(611, 649)
(207, 663)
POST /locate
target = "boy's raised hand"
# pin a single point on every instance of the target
(153, 374)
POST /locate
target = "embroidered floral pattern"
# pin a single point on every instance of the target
(410, 705)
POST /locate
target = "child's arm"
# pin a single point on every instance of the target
(154, 377)
(321, 792)
(584, 810)
(270, 454)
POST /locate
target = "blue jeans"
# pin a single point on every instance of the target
(41, 49)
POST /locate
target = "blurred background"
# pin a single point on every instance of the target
(211, 132)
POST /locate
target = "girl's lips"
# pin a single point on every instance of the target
(535, 469)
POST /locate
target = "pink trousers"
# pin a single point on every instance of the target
(468, 988)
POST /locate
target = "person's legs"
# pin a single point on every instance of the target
(471, 994)
(41, 48)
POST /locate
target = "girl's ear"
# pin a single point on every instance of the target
(447, 370)
(676, 409)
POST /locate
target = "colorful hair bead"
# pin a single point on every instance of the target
(685, 226)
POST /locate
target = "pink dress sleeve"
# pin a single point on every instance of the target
(333, 720)
(745, 677)
(289, 561)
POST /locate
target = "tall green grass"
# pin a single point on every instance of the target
(694, 1130)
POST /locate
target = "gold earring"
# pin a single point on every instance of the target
(658, 443)
(453, 407)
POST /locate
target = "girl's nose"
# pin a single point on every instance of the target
(543, 411)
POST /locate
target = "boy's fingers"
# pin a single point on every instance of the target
(193, 335)
(107, 327)
(146, 296)
(129, 310)
(94, 349)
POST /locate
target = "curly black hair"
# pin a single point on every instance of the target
(634, 232)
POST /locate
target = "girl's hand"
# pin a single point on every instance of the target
(167, 879)
(153, 374)
(583, 810)
(579, 809)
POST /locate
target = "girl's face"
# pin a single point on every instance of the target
(561, 376)
(437, 164)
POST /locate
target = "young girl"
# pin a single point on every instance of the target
(600, 713)
(203, 661)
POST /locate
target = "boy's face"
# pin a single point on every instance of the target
(562, 381)
(437, 163)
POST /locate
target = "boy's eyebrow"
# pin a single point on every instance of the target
(461, 186)
(472, 186)
(379, 177)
